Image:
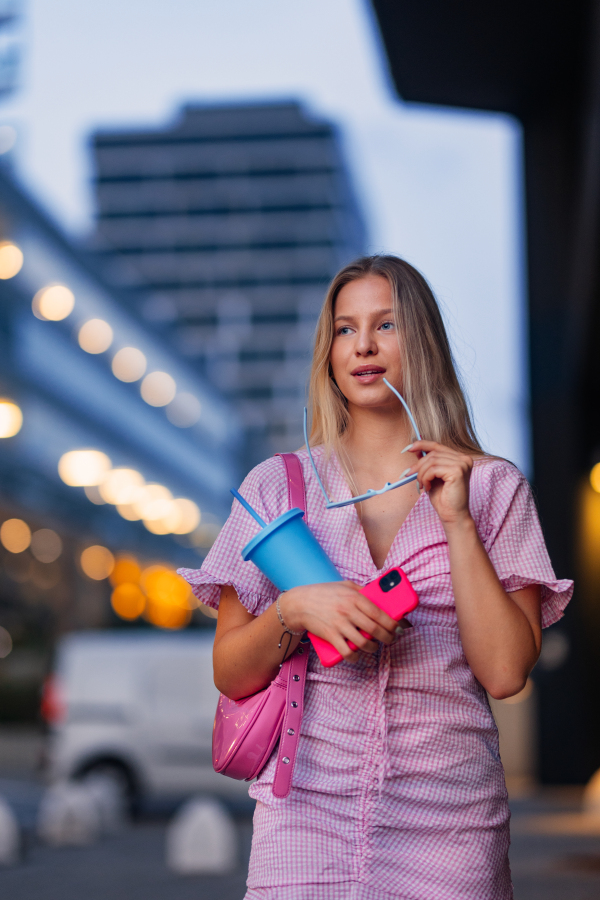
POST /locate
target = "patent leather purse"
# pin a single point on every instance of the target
(246, 731)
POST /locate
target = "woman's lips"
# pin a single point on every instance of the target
(368, 375)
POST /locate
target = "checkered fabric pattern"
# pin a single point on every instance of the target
(398, 789)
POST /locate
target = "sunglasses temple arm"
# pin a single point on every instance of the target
(312, 462)
(404, 404)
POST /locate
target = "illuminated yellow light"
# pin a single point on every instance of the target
(15, 535)
(11, 260)
(53, 303)
(129, 364)
(158, 389)
(126, 571)
(95, 336)
(153, 502)
(184, 516)
(156, 526)
(168, 604)
(184, 411)
(46, 545)
(128, 511)
(121, 486)
(11, 418)
(128, 601)
(83, 468)
(165, 586)
(167, 616)
(93, 494)
(97, 562)
(595, 478)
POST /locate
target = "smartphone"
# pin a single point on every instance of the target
(391, 592)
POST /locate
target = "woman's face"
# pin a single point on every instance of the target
(365, 346)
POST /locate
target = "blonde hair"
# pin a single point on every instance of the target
(430, 384)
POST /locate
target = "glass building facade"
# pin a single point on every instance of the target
(223, 230)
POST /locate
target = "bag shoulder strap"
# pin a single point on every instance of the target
(295, 480)
(297, 664)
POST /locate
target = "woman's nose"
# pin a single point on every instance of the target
(366, 345)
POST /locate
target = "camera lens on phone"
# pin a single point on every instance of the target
(389, 581)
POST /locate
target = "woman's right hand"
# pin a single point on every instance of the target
(335, 612)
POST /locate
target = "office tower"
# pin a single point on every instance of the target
(223, 231)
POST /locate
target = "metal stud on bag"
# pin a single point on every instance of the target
(291, 731)
(285, 760)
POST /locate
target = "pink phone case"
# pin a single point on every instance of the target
(392, 592)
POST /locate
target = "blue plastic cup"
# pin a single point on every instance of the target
(289, 555)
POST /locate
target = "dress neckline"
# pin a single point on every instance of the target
(346, 493)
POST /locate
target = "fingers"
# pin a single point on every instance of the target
(441, 463)
(369, 618)
(376, 614)
(341, 614)
(375, 622)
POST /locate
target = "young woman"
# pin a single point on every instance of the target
(398, 789)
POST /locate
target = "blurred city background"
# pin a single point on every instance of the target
(178, 184)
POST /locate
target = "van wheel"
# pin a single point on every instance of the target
(114, 784)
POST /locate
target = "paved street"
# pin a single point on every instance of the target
(129, 866)
(555, 853)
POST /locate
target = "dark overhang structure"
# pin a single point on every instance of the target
(540, 62)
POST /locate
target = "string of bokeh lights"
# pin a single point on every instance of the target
(154, 592)
(125, 488)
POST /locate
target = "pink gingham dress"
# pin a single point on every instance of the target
(398, 789)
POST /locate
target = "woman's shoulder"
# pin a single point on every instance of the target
(493, 474)
(265, 487)
(266, 471)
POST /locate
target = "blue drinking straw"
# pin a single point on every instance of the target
(248, 508)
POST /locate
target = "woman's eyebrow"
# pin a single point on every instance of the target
(376, 315)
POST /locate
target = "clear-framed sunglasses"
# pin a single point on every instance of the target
(336, 504)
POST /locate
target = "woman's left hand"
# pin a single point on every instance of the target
(444, 473)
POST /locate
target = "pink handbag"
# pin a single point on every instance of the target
(246, 731)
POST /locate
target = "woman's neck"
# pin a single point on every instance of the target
(375, 438)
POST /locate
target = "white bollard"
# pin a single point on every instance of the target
(109, 798)
(10, 835)
(68, 816)
(202, 838)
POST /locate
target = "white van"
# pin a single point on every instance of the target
(138, 706)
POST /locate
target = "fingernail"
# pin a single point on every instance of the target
(408, 447)
(406, 471)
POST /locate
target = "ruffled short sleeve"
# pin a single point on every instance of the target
(513, 538)
(265, 488)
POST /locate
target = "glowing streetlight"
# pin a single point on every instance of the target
(82, 468)
(53, 303)
(95, 336)
(11, 418)
(11, 260)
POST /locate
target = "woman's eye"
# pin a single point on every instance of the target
(387, 326)
(345, 329)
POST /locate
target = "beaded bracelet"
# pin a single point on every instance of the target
(280, 617)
